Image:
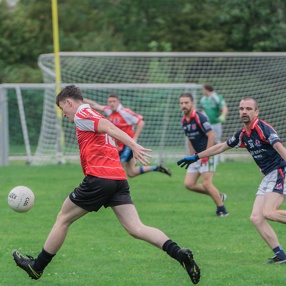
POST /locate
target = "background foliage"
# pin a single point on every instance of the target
(135, 25)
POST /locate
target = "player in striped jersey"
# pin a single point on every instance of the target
(200, 136)
(265, 146)
(125, 119)
(104, 184)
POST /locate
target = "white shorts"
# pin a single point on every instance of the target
(198, 168)
(273, 182)
(217, 128)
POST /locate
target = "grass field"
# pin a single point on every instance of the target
(98, 251)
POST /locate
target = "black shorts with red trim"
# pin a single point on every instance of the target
(94, 192)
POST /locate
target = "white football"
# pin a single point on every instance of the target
(21, 199)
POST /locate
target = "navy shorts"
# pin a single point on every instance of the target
(94, 192)
(125, 155)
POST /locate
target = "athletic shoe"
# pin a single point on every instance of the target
(27, 264)
(275, 260)
(162, 169)
(223, 197)
(222, 213)
(187, 261)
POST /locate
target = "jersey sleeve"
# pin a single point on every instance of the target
(221, 101)
(270, 134)
(235, 141)
(130, 116)
(107, 110)
(205, 124)
(87, 120)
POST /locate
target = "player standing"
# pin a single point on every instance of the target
(125, 119)
(214, 106)
(264, 144)
(200, 136)
(104, 184)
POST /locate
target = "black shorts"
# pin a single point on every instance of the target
(94, 192)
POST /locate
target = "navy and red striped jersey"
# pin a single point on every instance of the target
(259, 143)
(195, 129)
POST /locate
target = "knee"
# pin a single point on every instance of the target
(63, 220)
(189, 185)
(207, 185)
(256, 219)
(130, 173)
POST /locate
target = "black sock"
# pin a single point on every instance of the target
(43, 259)
(221, 209)
(171, 248)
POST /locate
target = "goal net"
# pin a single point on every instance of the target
(150, 84)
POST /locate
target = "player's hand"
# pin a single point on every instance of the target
(185, 162)
(141, 154)
(204, 161)
(222, 118)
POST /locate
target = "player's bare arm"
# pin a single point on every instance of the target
(224, 110)
(93, 104)
(139, 128)
(214, 150)
(278, 146)
(140, 153)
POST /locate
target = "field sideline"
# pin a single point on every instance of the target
(99, 252)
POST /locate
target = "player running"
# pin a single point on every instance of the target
(200, 136)
(125, 119)
(264, 144)
(104, 184)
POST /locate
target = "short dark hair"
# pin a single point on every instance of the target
(251, 98)
(113, 95)
(187, 94)
(70, 91)
(208, 87)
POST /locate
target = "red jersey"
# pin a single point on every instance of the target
(98, 153)
(124, 119)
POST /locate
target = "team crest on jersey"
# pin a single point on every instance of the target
(279, 186)
(272, 137)
(257, 143)
(207, 125)
(232, 139)
(194, 126)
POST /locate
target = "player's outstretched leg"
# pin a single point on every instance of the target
(27, 264)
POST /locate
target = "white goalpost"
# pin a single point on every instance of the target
(151, 83)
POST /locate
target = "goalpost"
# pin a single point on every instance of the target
(150, 84)
(158, 103)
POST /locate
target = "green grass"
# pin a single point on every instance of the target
(98, 251)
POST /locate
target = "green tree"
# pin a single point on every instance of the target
(254, 25)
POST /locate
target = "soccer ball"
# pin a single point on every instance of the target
(21, 199)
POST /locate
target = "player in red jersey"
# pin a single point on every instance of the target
(125, 119)
(104, 184)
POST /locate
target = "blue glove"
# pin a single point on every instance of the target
(188, 160)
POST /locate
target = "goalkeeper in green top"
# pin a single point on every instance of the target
(215, 108)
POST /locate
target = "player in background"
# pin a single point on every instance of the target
(200, 136)
(104, 184)
(125, 119)
(264, 144)
(215, 108)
